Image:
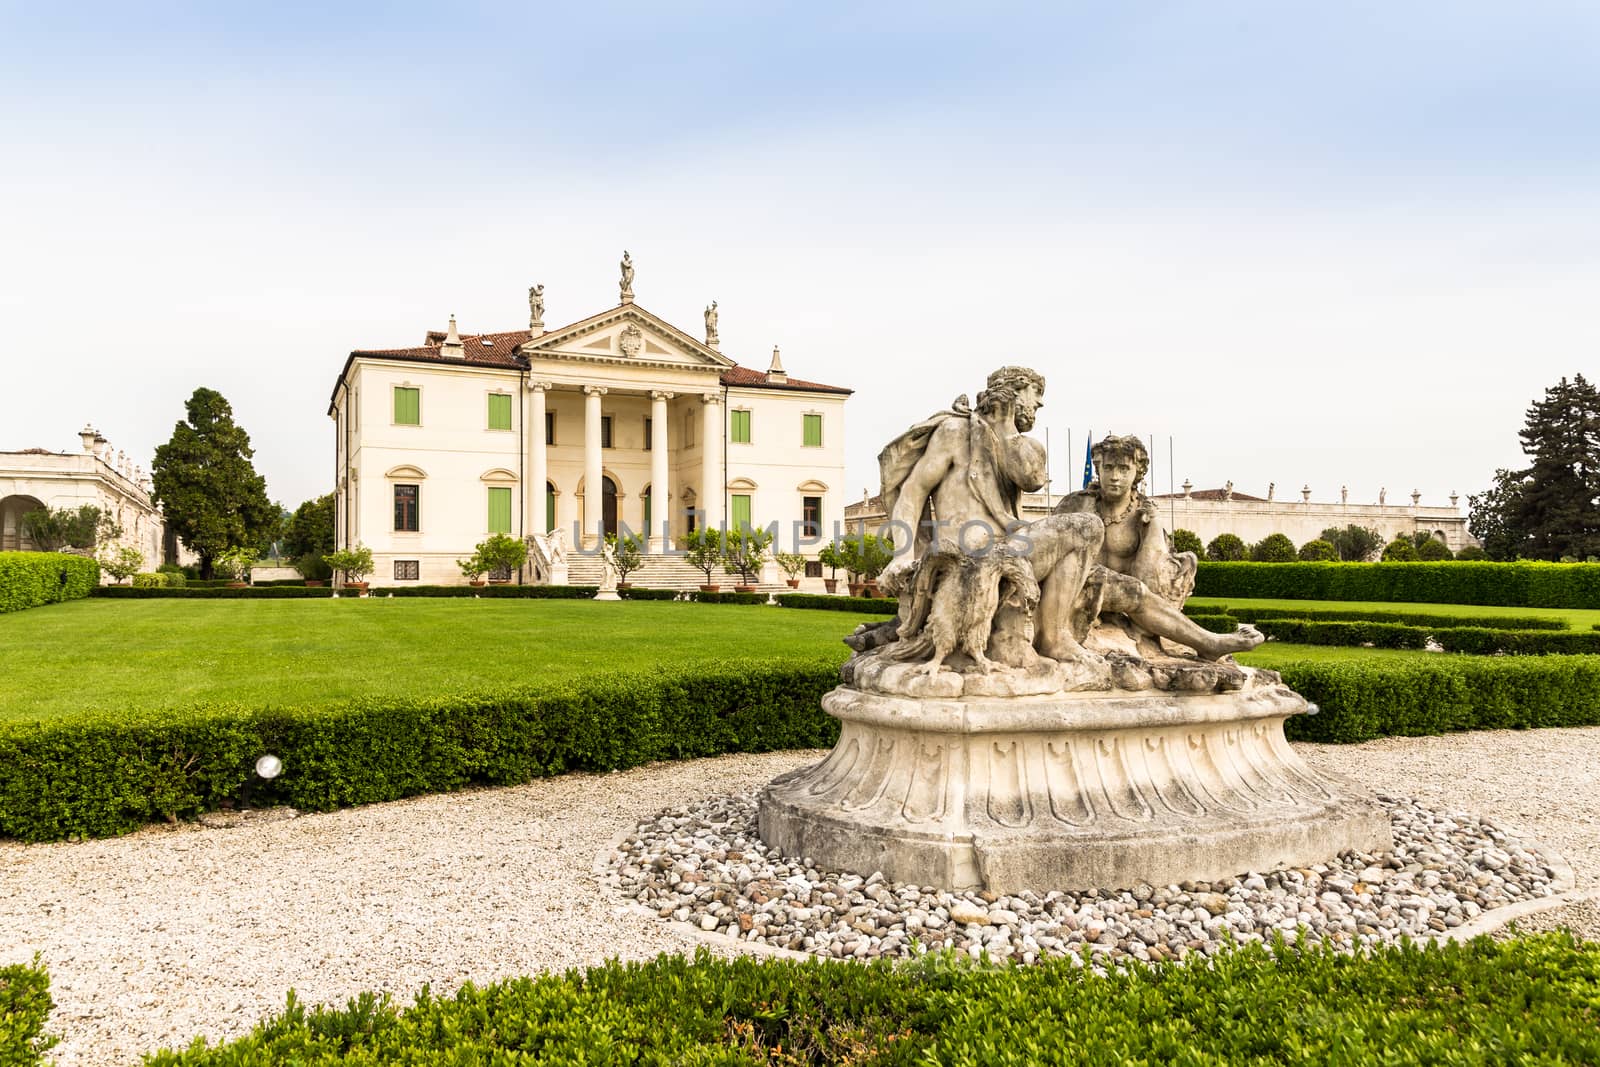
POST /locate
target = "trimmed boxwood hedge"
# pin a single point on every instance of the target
(109, 773)
(867, 604)
(1474, 640)
(1405, 618)
(1217, 624)
(1521, 584)
(636, 593)
(24, 1006)
(1360, 700)
(508, 592)
(699, 596)
(34, 579)
(257, 592)
(1532, 1000)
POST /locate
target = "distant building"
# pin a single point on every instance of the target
(37, 478)
(618, 420)
(1209, 512)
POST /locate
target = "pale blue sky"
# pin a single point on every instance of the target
(1316, 243)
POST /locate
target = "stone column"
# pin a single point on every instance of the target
(594, 496)
(660, 490)
(712, 489)
(538, 461)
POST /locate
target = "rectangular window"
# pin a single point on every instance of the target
(549, 427)
(499, 411)
(605, 431)
(740, 428)
(407, 406)
(499, 509)
(741, 511)
(812, 431)
(813, 568)
(649, 434)
(405, 509)
(407, 570)
(811, 515)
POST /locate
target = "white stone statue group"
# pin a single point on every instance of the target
(1089, 597)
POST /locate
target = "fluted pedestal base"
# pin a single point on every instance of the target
(1067, 791)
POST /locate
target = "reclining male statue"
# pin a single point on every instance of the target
(977, 581)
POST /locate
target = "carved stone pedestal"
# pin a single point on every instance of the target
(1066, 791)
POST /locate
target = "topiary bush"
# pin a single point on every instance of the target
(1318, 551)
(33, 579)
(1434, 550)
(1472, 552)
(1188, 541)
(1274, 548)
(1400, 550)
(1226, 548)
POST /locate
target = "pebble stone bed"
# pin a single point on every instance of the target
(705, 864)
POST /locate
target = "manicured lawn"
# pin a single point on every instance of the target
(1577, 618)
(152, 654)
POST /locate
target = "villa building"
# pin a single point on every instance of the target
(37, 478)
(618, 421)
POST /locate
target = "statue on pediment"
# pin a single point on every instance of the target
(627, 278)
(536, 307)
(711, 325)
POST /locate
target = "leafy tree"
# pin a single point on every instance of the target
(746, 551)
(1400, 550)
(122, 563)
(626, 552)
(310, 529)
(1354, 543)
(1226, 548)
(1559, 506)
(1433, 550)
(1492, 517)
(704, 549)
(1318, 551)
(82, 527)
(354, 563)
(1188, 541)
(1472, 552)
(1274, 548)
(866, 556)
(206, 485)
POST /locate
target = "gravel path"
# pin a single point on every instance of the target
(156, 937)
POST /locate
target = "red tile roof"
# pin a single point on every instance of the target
(744, 376)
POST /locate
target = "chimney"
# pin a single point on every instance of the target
(101, 445)
(87, 436)
(452, 343)
(775, 372)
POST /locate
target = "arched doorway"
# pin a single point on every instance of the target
(12, 536)
(608, 514)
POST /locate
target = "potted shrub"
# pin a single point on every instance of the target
(472, 568)
(703, 550)
(832, 558)
(354, 563)
(235, 564)
(313, 568)
(501, 552)
(865, 557)
(746, 551)
(122, 564)
(792, 564)
(626, 554)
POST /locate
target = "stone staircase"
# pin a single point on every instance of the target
(662, 571)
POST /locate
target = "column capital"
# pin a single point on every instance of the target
(541, 387)
(710, 398)
(595, 390)
(661, 394)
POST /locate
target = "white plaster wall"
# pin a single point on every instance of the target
(778, 463)
(68, 480)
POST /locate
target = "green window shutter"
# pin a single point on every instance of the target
(407, 406)
(549, 510)
(741, 427)
(647, 495)
(741, 511)
(499, 509)
(499, 411)
(813, 431)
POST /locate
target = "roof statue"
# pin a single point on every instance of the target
(627, 278)
(536, 308)
(711, 325)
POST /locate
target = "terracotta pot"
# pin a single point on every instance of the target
(238, 585)
(623, 587)
(873, 589)
(359, 587)
(744, 589)
(794, 583)
(831, 584)
(499, 581)
(856, 588)
(477, 583)
(710, 588)
(313, 583)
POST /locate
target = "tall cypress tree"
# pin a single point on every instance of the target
(1551, 509)
(206, 485)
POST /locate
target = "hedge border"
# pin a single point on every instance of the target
(1406, 618)
(34, 579)
(1472, 640)
(280, 592)
(1519, 584)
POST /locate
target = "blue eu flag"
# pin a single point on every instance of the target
(1088, 460)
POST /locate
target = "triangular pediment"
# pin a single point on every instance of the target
(625, 334)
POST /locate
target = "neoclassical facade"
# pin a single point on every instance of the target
(617, 421)
(97, 474)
